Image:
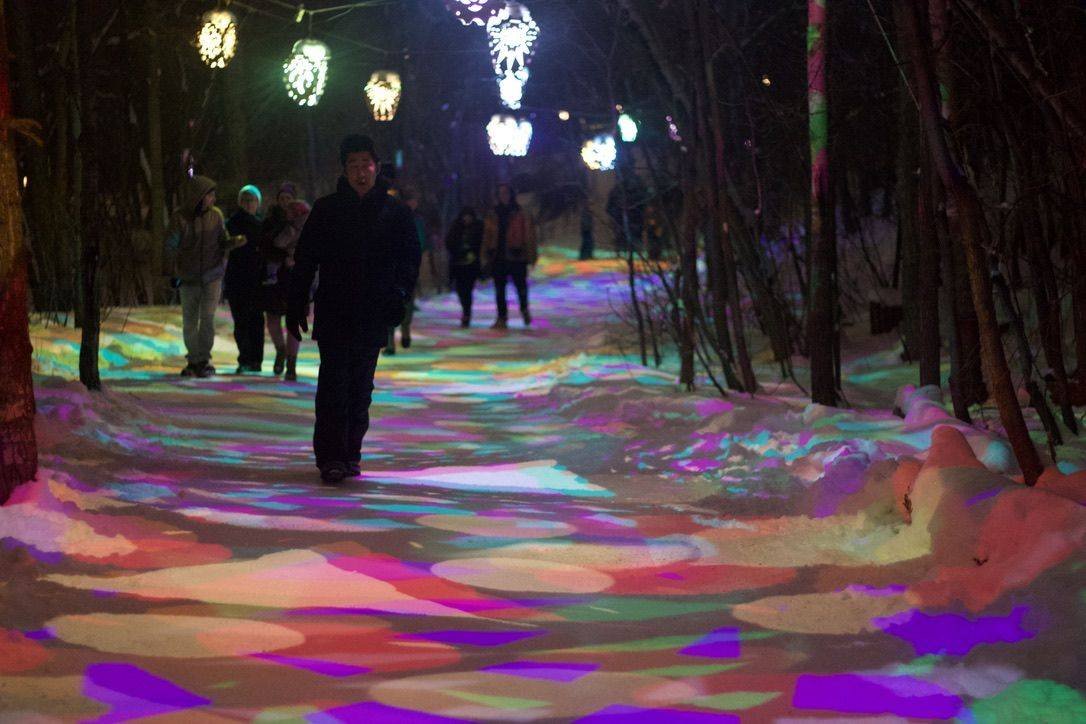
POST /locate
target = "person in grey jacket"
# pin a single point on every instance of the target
(199, 244)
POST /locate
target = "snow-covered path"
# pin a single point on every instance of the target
(543, 532)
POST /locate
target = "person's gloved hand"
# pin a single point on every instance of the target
(296, 325)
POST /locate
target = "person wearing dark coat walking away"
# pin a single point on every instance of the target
(198, 242)
(509, 248)
(241, 287)
(464, 244)
(411, 201)
(278, 252)
(364, 246)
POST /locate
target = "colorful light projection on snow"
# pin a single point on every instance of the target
(473, 12)
(545, 531)
(600, 153)
(305, 72)
(508, 136)
(217, 38)
(383, 92)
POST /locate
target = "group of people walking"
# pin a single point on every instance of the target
(354, 257)
(245, 259)
(502, 245)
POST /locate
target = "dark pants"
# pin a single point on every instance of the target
(248, 330)
(344, 393)
(463, 278)
(518, 270)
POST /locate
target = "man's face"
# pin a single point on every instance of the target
(361, 171)
(249, 203)
(208, 201)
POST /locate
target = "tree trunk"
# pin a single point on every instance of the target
(18, 445)
(722, 240)
(821, 318)
(90, 216)
(156, 182)
(688, 266)
(718, 285)
(974, 235)
(928, 338)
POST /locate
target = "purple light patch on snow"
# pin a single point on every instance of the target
(41, 634)
(844, 477)
(131, 692)
(324, 668)
(672, 576)
(852, 694)
(955, 635)
(622, 712)
(983, 496)
(373, 713)
(723, 643)
(543, 670)
(475, 638)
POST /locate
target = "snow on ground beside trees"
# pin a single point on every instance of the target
(544, 530)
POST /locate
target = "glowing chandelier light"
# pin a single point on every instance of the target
(508, 136)
(383, 92)
(511, 88)
(513, 35)
(217, 39)
(306, 71)
(473, 12)
(627, 128)
(599, 153)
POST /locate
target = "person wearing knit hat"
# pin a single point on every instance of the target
(199, 243)
(244, 274)
(288, 191)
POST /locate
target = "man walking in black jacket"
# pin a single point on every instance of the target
(363, 243)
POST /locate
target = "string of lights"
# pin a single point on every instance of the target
(512, 38)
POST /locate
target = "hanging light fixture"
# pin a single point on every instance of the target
(508, 136)
(599, 153)
(473, 12)
(383, 92)
(217, 39)
(513, 34)
(306, 71)
(511, 88)
(627, 128)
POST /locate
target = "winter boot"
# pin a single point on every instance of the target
(333, 473)
(527, 317)
(206, 370)
(500, 323)
(292, 371)
(190, 370)
(465, 322)
(280, 361)
(405, 337)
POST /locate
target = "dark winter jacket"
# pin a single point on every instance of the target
(273, 226)
(198, 241)
(245, 267)
(368, 255)
(464, 242)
